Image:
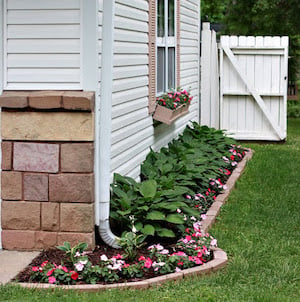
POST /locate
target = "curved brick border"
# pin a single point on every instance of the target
(219, 261)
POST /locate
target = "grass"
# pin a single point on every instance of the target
(258, 228)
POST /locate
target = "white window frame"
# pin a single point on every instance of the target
(167, 42)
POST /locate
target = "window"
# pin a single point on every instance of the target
(164, 42)
(165, 46)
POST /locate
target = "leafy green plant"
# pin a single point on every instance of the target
(73, 252)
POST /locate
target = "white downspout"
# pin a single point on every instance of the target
(105, 124)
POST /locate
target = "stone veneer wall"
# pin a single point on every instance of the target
(47, 179)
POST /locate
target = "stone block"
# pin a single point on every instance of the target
(44, 240)
(36, 187)
(75, 238)
(11, 185)
(45, 99)
(71, 188)
(19, 215)
(18, 240)
(77, 157)
(74, 100)
(47, 126)
(6, 163)
(14, 99)
(76, 217)
(35, 157)
(50, 216)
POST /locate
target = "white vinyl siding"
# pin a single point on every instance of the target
(42, 44)
(133, 132)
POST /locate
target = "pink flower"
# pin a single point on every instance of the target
(51, 280)
(213, 242)
(44, 263)
(188, 197)
(188, 238)
(148, 263)
(177, 269)
(179, 253)
(49, 273)
(203, 216)
(142, 258)
(35, 269)
(178, 211)
(118, 256)
(126, 265)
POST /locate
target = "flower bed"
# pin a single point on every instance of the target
(192, 248)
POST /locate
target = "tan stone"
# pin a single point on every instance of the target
(78, 100)
(45, 240)
(14, 99)
(18, 240)
(77, 157)
(48, 126)
(18, 215)
(76, 217)
(11, 185)
(6, 162)
(50, 216)
(45, 99)
(69, 187)
(75, 238)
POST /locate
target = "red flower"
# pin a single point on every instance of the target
(187, 230)
(35, 268)
(232, 157)
(74, 275)
(180, 263)
(142, 258)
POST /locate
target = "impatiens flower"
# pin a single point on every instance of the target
(126, 265)
(44, 263)
(142, 258)
(118, 256)
(79, 266)
(177, 269)
(203, 216)
(164, 252)
(77, 254)
(35, 268)
(188, 197)
(178, 211)
(51, 280)
(49, 273)
(103, 257)
(74, 275)
(148, 263)
(213, 242)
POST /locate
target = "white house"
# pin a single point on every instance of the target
(78, 84)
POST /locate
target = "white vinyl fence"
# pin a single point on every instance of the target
(253, 87)
(209, 78)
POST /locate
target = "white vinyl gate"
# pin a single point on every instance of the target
(253, 87)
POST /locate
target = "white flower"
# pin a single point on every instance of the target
(103, 258)
(213, 242)
(178, 211)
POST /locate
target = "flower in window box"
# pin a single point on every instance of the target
(172, 105)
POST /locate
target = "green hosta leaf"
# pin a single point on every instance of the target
(175, 192)
(155, 215)
(148, 230)
(148, 188)
(138, 226)
(166, 233)
(175, 218)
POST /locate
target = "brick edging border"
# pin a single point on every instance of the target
(221, 199)
(220, 257)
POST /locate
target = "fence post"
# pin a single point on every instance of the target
(209, 114)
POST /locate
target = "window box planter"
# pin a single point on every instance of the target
(168, 116)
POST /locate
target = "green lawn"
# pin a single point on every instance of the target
(259, 228)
